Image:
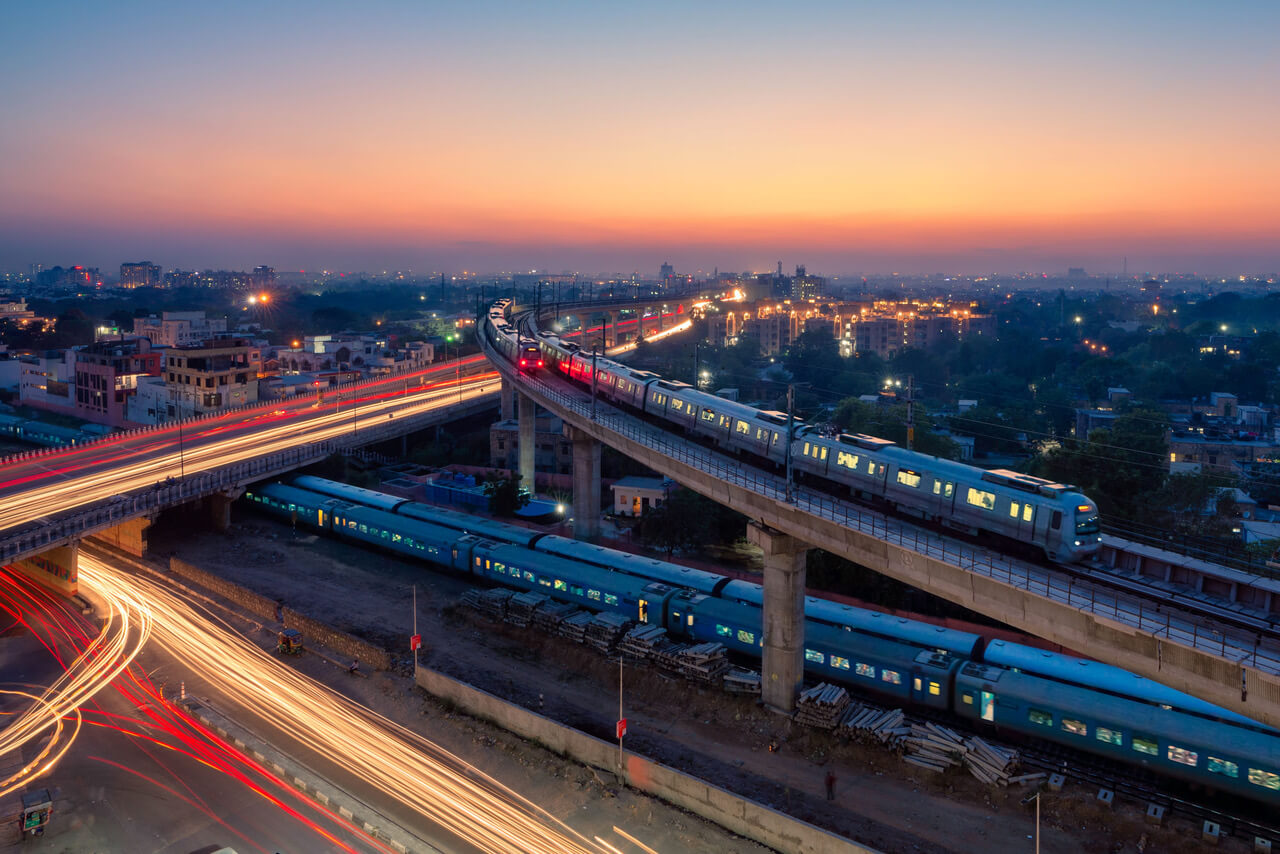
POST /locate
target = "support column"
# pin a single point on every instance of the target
(508, 397)
(528, 441)
(586, 484)
(220, 508)
(130, 535)
(57, 569)
(612, 340)
(782, 667)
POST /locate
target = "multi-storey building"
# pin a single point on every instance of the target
(218, 373)
(179, 328)
(47, 381)
(139, 274)
(107, 375)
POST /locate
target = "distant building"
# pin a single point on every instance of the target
(262, 278)
(179, 328)
(634, 496)
(665, 272)
(806, 287)
(69, 277)
(1075, 273)
(107, 375)
(47, 381)
(554, 453)
(139, 274)
(181, 279)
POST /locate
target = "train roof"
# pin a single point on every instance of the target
(566, 569)
(490, 529)
(646, 567)
(919, 634)
(347, 492)
(1103, 677)
(303, 497)
(414, 528)
(1134, 717)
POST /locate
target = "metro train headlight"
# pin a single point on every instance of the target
(1077, 542)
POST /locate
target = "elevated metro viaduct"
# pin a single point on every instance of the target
(1241, 677)
(47, 550)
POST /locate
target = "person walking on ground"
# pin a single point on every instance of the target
(831, 784)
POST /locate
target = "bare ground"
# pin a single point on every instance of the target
(880, 801)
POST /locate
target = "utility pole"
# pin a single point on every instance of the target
(415, 631)
(620, 718)
(182, 470)
(594, 352)
(911, 411)
(696, 346)
(791, 396)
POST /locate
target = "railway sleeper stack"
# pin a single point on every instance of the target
(739, 680)
(549, 616)
(932, 747)
(604, 631)
(704, 662)
(574, 626)
(993, 764)
(490, 603)
(641, 641)
(521, 606)
(822, 706)
(667, 656)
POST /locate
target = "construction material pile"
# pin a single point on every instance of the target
(490, 603)
(521, 606)
(741, 681)
(993, 764)
(932, 747)
(574, 626)
(822, 706)
(641, 641)
(548, 617)
(704, 662)
(604, 631)
(866, 722)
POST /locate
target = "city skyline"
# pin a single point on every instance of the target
(995, 140)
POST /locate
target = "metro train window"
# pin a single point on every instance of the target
(1038, 717)
(988, 706)
(395, 538)
(1027, 510)
(1182, 756)
(677, 404)
(500, 568)
(846, 459)
(1056, 522)
(1223, 766)
(917, 684)
(981, 498)
(364, 529)
(743, 427)
(746, 637)
(814, 656)
(724, 631)
(865, 670)
(610, 599)
(725, 421)
(824, 452)
(891, 676)
(935, 689)
(1146, 746)
(1013, 509)
(1075, 727)
(545, 582)
(806, 449)
(839, 662)
(528, 576)
(708, 415)
(906, 477)
(1266, 779)
(967, 698)
(576, 590)
(1110, 736)
(562, 586)
(593, 595)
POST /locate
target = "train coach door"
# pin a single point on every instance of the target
(644, 610)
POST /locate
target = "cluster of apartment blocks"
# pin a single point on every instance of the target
(184, 364)
(882, 327)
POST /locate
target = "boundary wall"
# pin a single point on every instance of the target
(743, 817)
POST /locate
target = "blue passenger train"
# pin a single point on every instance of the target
(1083, 704)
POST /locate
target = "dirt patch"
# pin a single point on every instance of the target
(880, 801)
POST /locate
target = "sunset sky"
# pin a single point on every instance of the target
(854, 137)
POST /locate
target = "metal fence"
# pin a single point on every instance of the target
(1238, 646)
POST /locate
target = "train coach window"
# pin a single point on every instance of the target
(935, 689)
(746, 637)
(593, 595)
(528, 576)
(1110, 736)
(562, 586)
(823, 455)
(743, 427)
(967, 698)
(708, 415)
(576, 590)
(988, 706)
(1038, 717)
(806, 449)
(1223, 766)
(1075, 727)
(846, 459)
(724, 631)
(1013, 509)
(943, 488)
(1182, 756)
(610, 599)
(1027, 510)
(906, 477)
(1265, 779)
(677, 404)
(865, 670)
(814, 656)
(891, 676)
(1146, 746)
(1056, 522)
(981, 498)
(839, 662)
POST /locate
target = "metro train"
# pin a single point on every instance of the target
(1057, 518)
(1085, 705)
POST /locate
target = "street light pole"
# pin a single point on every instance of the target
(182, 469)
(594, 353)
(791, 422)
